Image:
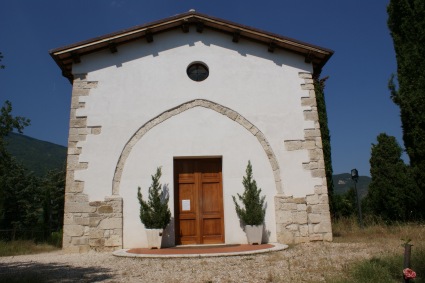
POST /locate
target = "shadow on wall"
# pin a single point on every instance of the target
(165, 192)
(52, 272)
(140, 49)
(266, 234)
(168, 237)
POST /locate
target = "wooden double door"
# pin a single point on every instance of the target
(198, 195)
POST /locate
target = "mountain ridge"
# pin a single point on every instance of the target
(36, 155)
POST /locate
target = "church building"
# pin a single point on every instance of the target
(199, 97)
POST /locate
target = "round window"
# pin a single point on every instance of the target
(197, 72)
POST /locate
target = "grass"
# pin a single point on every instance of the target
(23, 247)
(383, 269)
(388, 266)
(348, 230)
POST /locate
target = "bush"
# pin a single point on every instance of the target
(154, 213)
(252, 212)
(55, 239)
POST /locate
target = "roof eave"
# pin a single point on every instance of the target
(67, 55)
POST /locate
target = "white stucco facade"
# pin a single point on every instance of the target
(134, 86)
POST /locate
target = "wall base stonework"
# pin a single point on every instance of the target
(93, 225)
(303, 219)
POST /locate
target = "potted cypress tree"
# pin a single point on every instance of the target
(154, 213)
(252, 210)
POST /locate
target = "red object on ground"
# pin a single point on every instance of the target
(409, 273)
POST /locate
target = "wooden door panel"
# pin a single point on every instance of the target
(198, 201)
(211, 198)
(211, 226)
(212, 232)
(189, 226)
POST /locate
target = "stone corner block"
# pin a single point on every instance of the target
(110, 223)
(293, 145)
(71, 249)
(113, 241)
(113, 198)
(304, 75)
(328, 237)
(286, 237)
(73, 230)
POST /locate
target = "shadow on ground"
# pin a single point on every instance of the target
(52, 272)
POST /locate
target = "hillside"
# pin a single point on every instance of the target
(343, 182)
(36, 155)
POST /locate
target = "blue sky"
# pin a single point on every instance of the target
(358, 101)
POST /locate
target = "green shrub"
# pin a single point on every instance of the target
(154, 213)
(55, 239)
(252, 212)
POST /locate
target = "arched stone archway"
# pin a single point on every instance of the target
(231, 114)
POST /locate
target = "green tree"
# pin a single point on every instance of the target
(19, 191)
(154, 213)
(253, 211)
(345, 205)
(8, 123)
(407, 25)
(53, 192)
(392, 193)
(26, 201)
(21, 198)
(319, 86)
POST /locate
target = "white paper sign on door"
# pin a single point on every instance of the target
(186, 204)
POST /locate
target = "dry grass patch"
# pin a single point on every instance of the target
(348, 231)
(24, 247)
(383, 243)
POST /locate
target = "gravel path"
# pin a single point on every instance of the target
(311, 262)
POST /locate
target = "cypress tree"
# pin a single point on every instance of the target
(154, 213)
(252, 211)
(407, 25)
(392, 194)
(319, 86)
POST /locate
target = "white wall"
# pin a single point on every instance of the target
(218, 136)
(142, 80)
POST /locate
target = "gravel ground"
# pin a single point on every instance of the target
(311, 262)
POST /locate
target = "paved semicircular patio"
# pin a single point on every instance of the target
(201, 251)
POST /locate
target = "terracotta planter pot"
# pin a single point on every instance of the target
(154, 237)
(254, 234)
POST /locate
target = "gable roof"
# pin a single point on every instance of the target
(68, 55)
